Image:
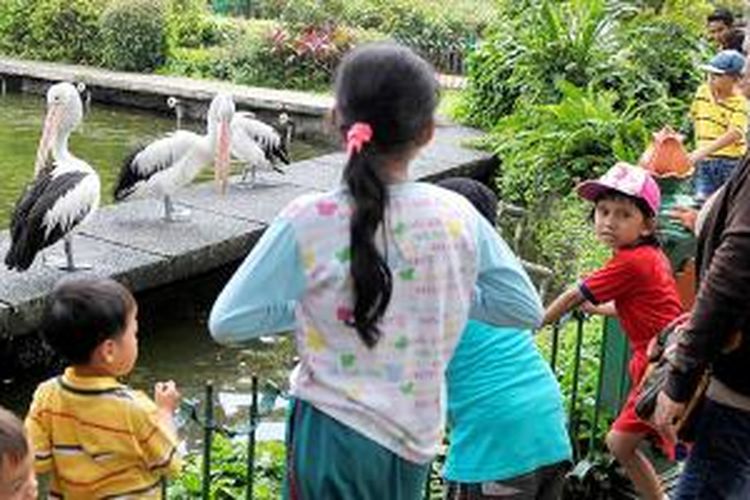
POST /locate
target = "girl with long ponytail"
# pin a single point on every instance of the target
(377, 278)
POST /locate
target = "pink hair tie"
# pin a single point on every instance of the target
(359, 134)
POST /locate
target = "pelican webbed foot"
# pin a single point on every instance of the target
(174, 214)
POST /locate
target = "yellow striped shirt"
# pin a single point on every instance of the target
(713, 119)
(99, 439)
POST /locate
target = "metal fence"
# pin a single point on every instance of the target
(586, 445)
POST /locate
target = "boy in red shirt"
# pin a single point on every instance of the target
(636, 285)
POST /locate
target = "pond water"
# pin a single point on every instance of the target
(174, 343)
(104, 139)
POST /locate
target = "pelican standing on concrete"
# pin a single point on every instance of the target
(257, 144)
(65, 191)
(167, 164)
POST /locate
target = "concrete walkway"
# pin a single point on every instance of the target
(116, 83)
(132, 244)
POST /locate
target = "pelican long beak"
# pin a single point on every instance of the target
(49, 133)
(221, 161)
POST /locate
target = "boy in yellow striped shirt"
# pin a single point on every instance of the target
(95, 436)
(719, 113)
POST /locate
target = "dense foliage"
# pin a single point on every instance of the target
(441, 35)
(134, 35)
(57, 30)
(566, 88)
(280, 43)
(228, 471)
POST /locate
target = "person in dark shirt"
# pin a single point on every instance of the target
(718, 24)
(717, 337)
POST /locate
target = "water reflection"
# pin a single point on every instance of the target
(174, 344)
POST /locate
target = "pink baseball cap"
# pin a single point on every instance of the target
(627, 179)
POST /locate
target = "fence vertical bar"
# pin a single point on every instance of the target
(208, 428)
(427, 484)
(598, 399)
(572, 418)
(251, 439)
(555, 347)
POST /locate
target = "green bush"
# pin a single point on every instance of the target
(292, 56)
(198, 63)
(228, 466)
(526, 56)
(547, 148)
(191, 24)
(134, 35)
(55, 30)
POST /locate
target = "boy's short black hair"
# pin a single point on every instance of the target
(13, 444)
(482, 197)
(84, 312)
(722, 15)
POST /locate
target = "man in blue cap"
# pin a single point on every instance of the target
(719, 114)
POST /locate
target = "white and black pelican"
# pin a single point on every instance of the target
(65, 190)
(167, 164)
(257, 144)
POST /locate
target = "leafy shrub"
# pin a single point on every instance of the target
(666, 53)
(55, 30)
(547, 148)
(294, 57)
(228, 466)
(134, 35)
(191, 24)
(550, 41)
(198, 63)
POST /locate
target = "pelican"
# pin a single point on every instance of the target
(86, 93)
(167, 164)
(257, 144)
(64, 193)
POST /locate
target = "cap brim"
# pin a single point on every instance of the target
(712, 69)
(591, 190)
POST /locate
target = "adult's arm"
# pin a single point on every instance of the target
(721, 307)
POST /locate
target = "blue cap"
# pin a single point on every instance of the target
(726, 62)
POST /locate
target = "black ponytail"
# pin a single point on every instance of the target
(373, 283)
(390, 93)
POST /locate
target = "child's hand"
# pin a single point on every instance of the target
(685, 216)
(166, 396)
(589, 308)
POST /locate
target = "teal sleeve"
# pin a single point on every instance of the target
(504, 295)
(260, 297)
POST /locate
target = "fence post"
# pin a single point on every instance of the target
(208, 428)
(427, 484)
(573, 419)
(555, 341)
(598, 399)
(250, 478)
